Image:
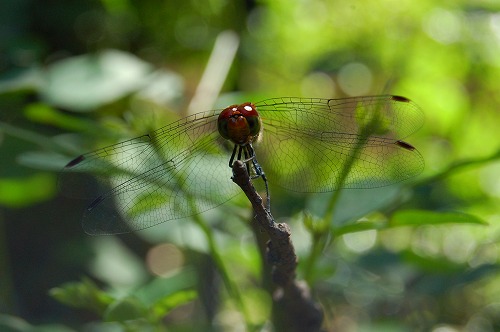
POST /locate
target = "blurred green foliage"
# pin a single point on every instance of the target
(76, 75)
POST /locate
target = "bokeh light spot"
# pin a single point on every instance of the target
(355, 79)
(164, 259)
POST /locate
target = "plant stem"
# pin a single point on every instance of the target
(232, 289)
(293, 306)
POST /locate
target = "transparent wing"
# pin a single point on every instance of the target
(154, 178)
(318, 145)
(308, 145)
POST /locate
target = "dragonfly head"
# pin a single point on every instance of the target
(239, 123)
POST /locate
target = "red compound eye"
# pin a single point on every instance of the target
(239, 123)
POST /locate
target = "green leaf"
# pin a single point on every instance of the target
(431, 264)
(160, 288)
(314, 225)
(84, 295)
(354, 203)
(410, 218)
(15, 324)
(43, 113)
(165, 305)
(359, 227)
(129, 308)
(43, 160)
(27, 191)
(423, 217)
(26, 80)
(86, 82)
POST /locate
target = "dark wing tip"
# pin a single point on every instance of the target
(401, 99)
(95, 202)
(75, 161)
(405, 145)
(101, 218)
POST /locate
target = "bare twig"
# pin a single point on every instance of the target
(293, 307)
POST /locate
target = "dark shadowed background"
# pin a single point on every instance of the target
(78, 75)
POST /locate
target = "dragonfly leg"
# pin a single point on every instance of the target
(259, 172)
(231, 160)
(249, 155)
(240, 149)
(246, 160)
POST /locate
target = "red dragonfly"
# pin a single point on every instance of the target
(302, 144)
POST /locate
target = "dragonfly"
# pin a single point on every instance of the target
(307, 145)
